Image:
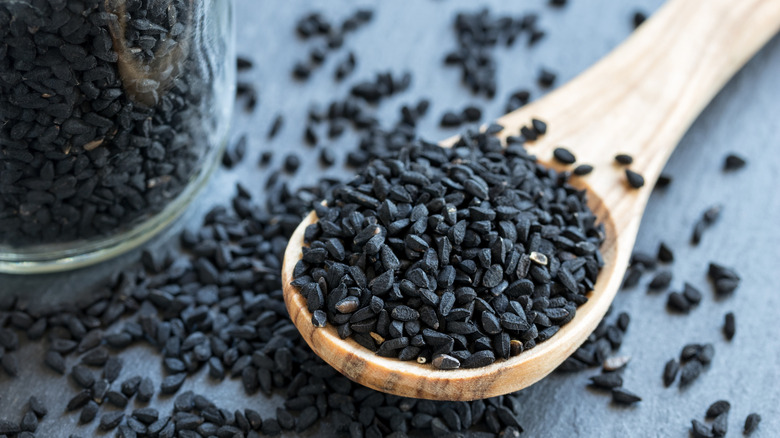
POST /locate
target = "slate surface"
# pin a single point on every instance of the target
(414, 36)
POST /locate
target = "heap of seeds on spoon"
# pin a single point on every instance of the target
(455, 256)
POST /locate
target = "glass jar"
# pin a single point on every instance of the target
(113, 113)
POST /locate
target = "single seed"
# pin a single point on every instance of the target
(583, 169)
(729, 326)
(634, 179)
(733, 162)
(624, 396)
(751, 423)
(624, 159)
(564, 156)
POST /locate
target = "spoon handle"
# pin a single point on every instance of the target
(642, 97)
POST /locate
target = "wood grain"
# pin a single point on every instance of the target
(638, 100)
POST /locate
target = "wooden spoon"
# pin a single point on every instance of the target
(639, 100)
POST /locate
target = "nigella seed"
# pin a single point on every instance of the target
(691, 294)
(720, 425)
(615, 363)
(700, 430)
(583, 169)
(79, 400)
(751, 423)
(729, 326)
(38, 407)
(661, 280)
(624, 159)
(111, 420)
(638, 18)
(607, 380)
(319, 318)
(563, 155)
(718, 408)
(291, 163)
(624, 396)
(733, 162)
(677, 301)
(276, 126)
(664, 253)
(445, 362)
(172, 383)
(670, 372)
(449, 120)
(690, 372)
(634, 179)
(546, 78)
(88, 412)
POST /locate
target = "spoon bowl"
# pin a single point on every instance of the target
(639, 100)
(408, 378)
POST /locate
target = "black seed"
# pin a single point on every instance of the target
(624, 159)
(615, 363)
(291, 163)
(583, 169)
(111, 420)
(276, 126)
(720, 425)
(79, 400)
(450, 119)
(546, 78)
(700, 430)
(718, 408)
(145, 390)
(691, 294)
(634, 179)
(678, 302)
(664, 253)
(670, 372)
(751, 423)
(733, 162)
(88, 412)
(624, 396)
(479, 359)
(607, 380)
(564, 156)
(9, 364)
(729, 326)
(638, 18)
(37, 406)
(172, 383)
(689, 372)
(663, 181)
(319, 318)
(661, 280)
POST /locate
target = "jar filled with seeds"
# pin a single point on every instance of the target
(112, 115)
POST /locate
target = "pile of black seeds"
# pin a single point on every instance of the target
(89, 146)
(477, 36)
(452, 256)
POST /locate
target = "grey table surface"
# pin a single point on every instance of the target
(414, 36)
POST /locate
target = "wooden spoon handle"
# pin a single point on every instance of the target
(643, 96)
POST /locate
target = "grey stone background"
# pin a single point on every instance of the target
(415, 36)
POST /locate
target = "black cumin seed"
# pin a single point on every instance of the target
(583, 169)
(718, 408)
(276, 126)
(690, 372)
(720, 425)
(624, 396)
(661, 280)
(450, 120)
(546, 78)
(634, 179)
(88, 412)
(663, 181)
(729, 326)
(670, 371)
(665, 254)
(607, 380)
(733, 162)
(638, 18)
(624, 159)
(700, 430)
(291, 163)
(564, 156)
(751, 423)
(111, 420)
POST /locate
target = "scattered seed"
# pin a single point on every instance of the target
(729, 326)
(583, 169)
(564, 156)
(624, 396)
(634, 179)
(751, 423)
(670, 372)
(733, 162)
(624, 159)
